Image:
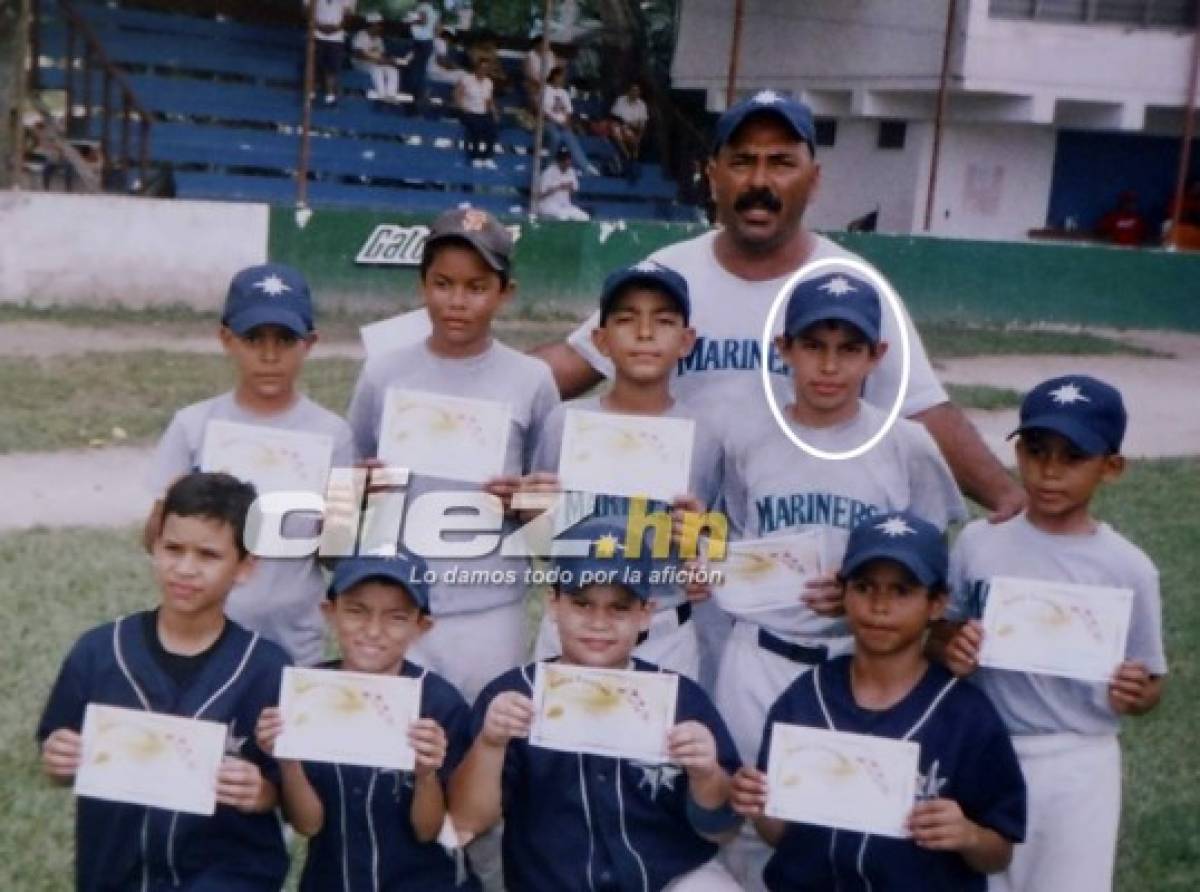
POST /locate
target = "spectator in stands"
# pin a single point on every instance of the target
(556, 185)
(442, 68)
(473, 97)
(370, 55)
(329, 26)
(423, 23)
(560, 120)
(629, 117)
(539, 62)
(1123, 225)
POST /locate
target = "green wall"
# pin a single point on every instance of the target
(561, 265)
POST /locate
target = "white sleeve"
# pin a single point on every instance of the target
(935, 494)
(1144, 642)
(545, 401)
(580, 340)
(924, 389)
(548, 447)
(958, 609)
(173, 457)
(364, 416)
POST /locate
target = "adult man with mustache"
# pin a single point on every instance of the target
(763, 172)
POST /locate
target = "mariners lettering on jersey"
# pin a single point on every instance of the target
(721, 354)
(810, 509)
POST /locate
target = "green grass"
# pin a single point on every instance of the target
(982, 396)
(56, 584)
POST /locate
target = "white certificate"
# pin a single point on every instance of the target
(392, 334)
(608, 712)
(273, 460)
(626, 455)
(1055, 628)
(836, 779)
(352, 718)
(767, 574)
(444, 436)
(147, 758)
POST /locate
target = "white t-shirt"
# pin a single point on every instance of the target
(427, 30)
(557, 102)
(561, 199)
(728, 314)
(631, 111)
(476, 92)
(539, 66)
(332, 12)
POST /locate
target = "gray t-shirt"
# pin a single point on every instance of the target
(705, 475)
(1045, 704)
(723, 371)
(773, 488)
(281, 598)
(500, 374)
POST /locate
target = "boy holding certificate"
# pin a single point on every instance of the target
(267, 331)
(831, 341)
(182, 659)
(644, 331)
(1064, 725)
(481, 400)
(970, 796)
(369, 827)
(597, 817)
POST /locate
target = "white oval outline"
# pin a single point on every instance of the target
(863, 269)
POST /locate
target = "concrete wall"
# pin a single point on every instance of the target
(138, 252)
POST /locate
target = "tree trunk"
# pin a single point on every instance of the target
(12, 69)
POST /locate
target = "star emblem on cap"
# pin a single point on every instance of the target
(606, 546)
(838, 286)
(1068, 394)
(272, 285)
(647, 266)
(766, 97)
(894, 527)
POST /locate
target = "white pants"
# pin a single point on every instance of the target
(710, 877)
(1073, 791)
(566, 212)
(471, 649)
(385, 79)
(669, 645)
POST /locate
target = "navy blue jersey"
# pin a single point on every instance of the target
(366, 843)
(584, 822)
(120, 846)
(966, 756)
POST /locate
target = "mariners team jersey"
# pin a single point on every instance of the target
(704, 481)
(583, 822)
(966, 756)
(722, 372)
(122, 846)
(366, 843)
(499, 374)
(1046, 704)
(773, 488)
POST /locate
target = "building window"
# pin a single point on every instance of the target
(1134, 13)
(892, 134)
(826, 130)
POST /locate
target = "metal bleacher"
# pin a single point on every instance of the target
(226, 108)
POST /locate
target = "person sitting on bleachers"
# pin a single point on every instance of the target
(560, 120)
(370, 55)
(423, 22)
(442, 69)
(629, 117)
(329, 27)
(539, 62)
(473, 97)
(556, 185)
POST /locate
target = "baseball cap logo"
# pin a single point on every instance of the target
(894, 527)
(272, 286)
(1068, 394)
(766, 97)
(474, 221)
(648, 266)
(838, 286)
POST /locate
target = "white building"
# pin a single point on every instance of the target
(1055, 106)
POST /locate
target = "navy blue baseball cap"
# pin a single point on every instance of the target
(834, 295)
(649, 274)
(606, 558)
(269, 294)
(405, 569)
(899, 536)
(1085, 410)
(792, 112)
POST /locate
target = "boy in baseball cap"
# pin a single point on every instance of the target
(376, 608)
(644, 330)
(466, 279)
(971, 796)
(1065, 729)
(268, 329)
(573, 820)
